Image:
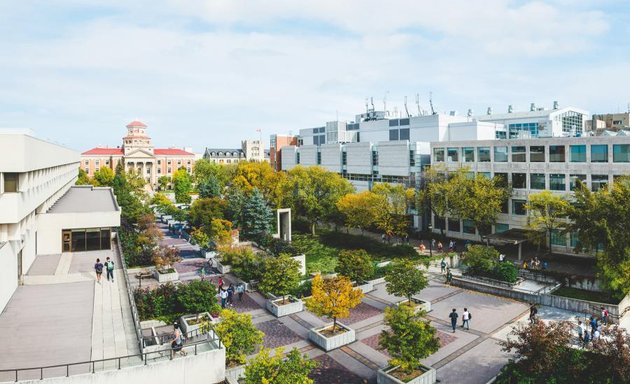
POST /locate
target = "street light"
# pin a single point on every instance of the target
(430, 228)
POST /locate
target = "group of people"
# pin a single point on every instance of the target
(466, 317)
(108, 266)
(227, 294)
(444, 268)
(385, 238)
(584, 335)
(535, 263)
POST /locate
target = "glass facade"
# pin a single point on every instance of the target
(578, 153)
(483, 154)
(598, 182)
(558, 238)
(530, 129)
(556, 153)
(573, 180)
(621, 153)
(11, 182)
(469, 226)
(438, 154)
(469, 154)
(519, 180)
(537, 154)
(501, 179)
(518, 154)
(452, 154)
(518, 207)
(537, 181)
(90, 239)
(501, 154)
(453, 225)
(557, 182)
(599, 153)
(500, 228)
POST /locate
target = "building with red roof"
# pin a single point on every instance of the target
(138, 154)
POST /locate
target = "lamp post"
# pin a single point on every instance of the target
(430, 228)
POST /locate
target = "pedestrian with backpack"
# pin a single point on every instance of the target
(466, 316)
(98, 268)
(109, 266)
(453, 315)
(442, 266)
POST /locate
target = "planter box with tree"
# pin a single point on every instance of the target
(164, 258)
(280, 277)
(357, 266)
(239, 336)
(292, 368)
(333, 298)
(405, 279)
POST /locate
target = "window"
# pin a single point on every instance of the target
(393, 134)
(469, 154)
(404, 121)
(344, 158)
(519, 180)
(393, 123)
(537, 154)
(573, 181)
(556, 153)
(518, 154)
(518, 207)
(621, 153)
(438, 154)
(500, 228)
(599, 153)
(159, 162)
(168, 162)
(11, 182)
(412, 158)
(556, 182)
(168, 170)
(598, 182)
(505, 206)
(453, 225)
(501, 154)
(469, 226)
(97, 163)
(159, 171)
(537, 181)
(573, 239)
(87, 162)
(578, 153)
(483, 154)
(374, 157)
(440, 223)
(501, 179)
(452, 154)
(319, 158)
(487, 175)
(558, 238)
(297, 159)
(404, 134)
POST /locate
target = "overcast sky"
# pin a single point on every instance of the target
(211, 72)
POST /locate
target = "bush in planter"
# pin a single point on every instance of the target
(333, 298)
(197, 296)
(480, 259)
(280, 275)
(239, 336)
(292, 369)
(277, 246)
(246, 264)
(506, 271)
(356, 265)
(405, 279)
(161, 302)
(303, 289)
(409, 340)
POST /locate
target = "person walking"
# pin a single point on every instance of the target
(605, 315)
(580, 331)
(449, 276)
(220, 283)
(223, 295)
(442, 266)
(466, 316)
(178, 341)
(450, 246)
(533, 311)
(109, 266)
(98, 268)
(440, 247)
(240, 289)
(230, 292)
(593, 324)
(454, 317)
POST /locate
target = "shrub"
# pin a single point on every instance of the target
(168, 302)
(239, 336)
(506, 272)
(356, 265)
(480, 259)
(374, 247)
(277, 246)
(197, 296)
(277, 369)
(280, 275)
(247, 265)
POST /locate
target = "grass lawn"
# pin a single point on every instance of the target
(575, 293)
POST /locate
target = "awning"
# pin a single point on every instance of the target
(510, 237)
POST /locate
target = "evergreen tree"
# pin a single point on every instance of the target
(234, 210)
(209, 187)
(257, 216)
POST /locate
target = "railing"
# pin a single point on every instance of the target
(132, 301)
(115, 363)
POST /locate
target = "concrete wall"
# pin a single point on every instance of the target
(288, 157)
(50, 226)
(393, 158)
(204, 368)
(359, 158)
(331, 157)
(8, 274)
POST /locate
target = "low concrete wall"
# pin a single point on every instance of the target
(204, 368)
(579, 282)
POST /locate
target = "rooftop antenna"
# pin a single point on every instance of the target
(372, 102)
(406, 109)
(367, 108)
(418, 104)
(385, 102)
(431, 103)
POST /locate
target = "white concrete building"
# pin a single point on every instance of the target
(253, 150)
(36, 178)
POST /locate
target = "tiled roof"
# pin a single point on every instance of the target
(136, 123)
(104, 151)
(171, 151)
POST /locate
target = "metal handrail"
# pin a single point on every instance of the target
(132, 301)
(210, 338)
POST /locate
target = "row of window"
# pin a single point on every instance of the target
(557, 181)
(11, 182)
(537, 154)
(399, 134)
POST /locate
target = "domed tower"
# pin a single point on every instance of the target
(137, 138)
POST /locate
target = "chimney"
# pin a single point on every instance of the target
(489, 111)
(532, 107)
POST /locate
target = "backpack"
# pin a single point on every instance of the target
(469, 316)
(98, 267)
(443, 264)
(110, 265)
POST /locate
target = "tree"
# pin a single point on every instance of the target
(104, 177)
(355, 264)
(148, 237)
(163, 182)
(333, 297)
(239, 336)
(204, 169)
(235, 201)
(405, 279)
(614, 345)
(221, 231)
(267, 369)
(128, 195)
(200, 237)
(392, 217)
(164, 204)
(203, 211)
(257, 216)
(209, 187)
(546, 213)
(361, 210)
(182, 185)
(197, 296)
(280, 276)
(480, 258)
(83, 178)
(601, 220)
(409, 340)
(435, 192)
(313, 192)
(252, 175)
(165, 257)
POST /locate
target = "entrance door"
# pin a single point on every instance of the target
(67, 241)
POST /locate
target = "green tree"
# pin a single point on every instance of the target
(434, 195)
(164, 204)
(333, 297)
(104, 177)
(209, 187)
(203, 211)
(480, 258)
(204, 169)
(267, 369)
(200, 237)
(409, 339)
(356, 265)
(361, 210)
(257, 216)
(405, 279)
(601, 220)
(83, 178)
(239, 336)
(128, 196)
(313, 192)
(280, 275)
(546, 215)
(197, 296)
(163, 182)
(235, 201)
(182, 185)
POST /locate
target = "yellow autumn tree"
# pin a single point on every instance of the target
(333, 298)
(362, 210)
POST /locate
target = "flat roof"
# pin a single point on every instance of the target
(86, 198)
(511, 236)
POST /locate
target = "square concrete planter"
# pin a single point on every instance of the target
(365, 287)
(328, 343)
(232, 375)
(223, 269)
(420, 304)
(164, 277)
(185, 320)
(293, 306)
(428, 377)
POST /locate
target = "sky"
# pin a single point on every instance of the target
(210, 73)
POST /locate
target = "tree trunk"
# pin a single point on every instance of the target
(549, 242)
(334, 324)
